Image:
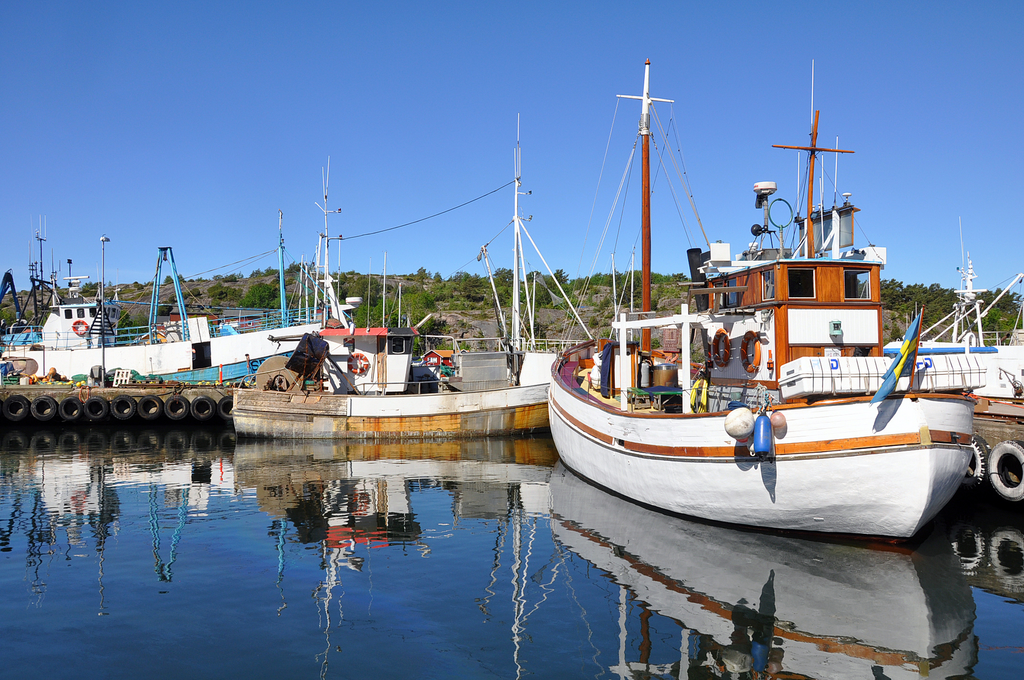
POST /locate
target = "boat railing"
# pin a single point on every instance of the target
(496, 344)
(244, 321)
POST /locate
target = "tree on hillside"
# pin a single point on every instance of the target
(261, 296)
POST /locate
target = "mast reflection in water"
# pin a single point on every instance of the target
(173, 553)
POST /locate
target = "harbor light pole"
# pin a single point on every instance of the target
(103, 312)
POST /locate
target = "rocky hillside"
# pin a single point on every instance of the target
(463, 305)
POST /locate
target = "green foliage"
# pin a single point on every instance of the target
(261, 296)
(221, 295)
(904, 300)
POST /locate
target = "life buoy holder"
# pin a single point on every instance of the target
(720, 349)
(80, 328)
(751, 363)
(358, 364)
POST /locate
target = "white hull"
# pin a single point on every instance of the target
(847, 467)
(164, 358)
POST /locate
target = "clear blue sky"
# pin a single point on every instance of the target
(190, 125)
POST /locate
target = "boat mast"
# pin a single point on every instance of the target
(517, 338)
(810, 250)
(280, 266)
(645, 209)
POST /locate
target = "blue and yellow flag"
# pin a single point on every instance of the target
(902, 365)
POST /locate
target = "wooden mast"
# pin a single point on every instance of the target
(645, 209)
(813, 150)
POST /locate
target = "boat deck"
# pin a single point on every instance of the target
(652, 400)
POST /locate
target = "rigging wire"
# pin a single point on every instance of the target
(232, 264)
(428, 217)
(675, 197)
(681, 169)
(600, 175)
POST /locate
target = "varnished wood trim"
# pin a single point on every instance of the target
(925, 437)
(584, 428)
(946, 437)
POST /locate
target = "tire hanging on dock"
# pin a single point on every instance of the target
(16, 408)
(123, 407)
(150, 407)
(1006, 470)
(96, 408)
(976, 468)
(203, 408)
(177, 407)
(44, 408)
(225, 406)
(70, 409)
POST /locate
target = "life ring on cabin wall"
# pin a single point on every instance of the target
(720, 349)
(80, 328)
(752, 364)
(358, 364)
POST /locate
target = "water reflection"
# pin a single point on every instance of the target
(463, 558)
(757, 603)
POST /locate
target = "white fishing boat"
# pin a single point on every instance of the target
(760, 605)
(786, 428)
(962, 332)
(80, 334)
(362, 383)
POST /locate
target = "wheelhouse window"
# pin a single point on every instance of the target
(857, 284)
(81, 312)
(768, 284)
(801, 282)
(399, 345)
(67, 313)
(731, 299)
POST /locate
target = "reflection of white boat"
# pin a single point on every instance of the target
(795, 607)
(787, 434)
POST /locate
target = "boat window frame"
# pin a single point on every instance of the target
(789, 283)
(81, 312)
(398, 345)
(768, 286)
(68, 314)
(730, 300)
(867, 283)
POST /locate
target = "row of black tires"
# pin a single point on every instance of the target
(17, 408)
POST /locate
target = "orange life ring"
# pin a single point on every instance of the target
(80, 328)
(751, 364)
(720, 349)
(358, 364)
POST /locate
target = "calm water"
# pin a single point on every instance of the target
(163, 553)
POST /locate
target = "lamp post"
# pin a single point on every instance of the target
(103, 312)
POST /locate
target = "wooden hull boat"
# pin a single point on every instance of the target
(843, 466)
(796, 420)
(509, 411)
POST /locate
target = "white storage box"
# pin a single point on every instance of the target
(810, 376)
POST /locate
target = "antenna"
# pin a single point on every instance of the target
(961, 221)
(812, 91)
(835, 178)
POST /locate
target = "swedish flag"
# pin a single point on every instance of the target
(904, 363)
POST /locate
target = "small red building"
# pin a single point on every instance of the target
(438, 357)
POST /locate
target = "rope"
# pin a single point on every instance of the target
(428, 217)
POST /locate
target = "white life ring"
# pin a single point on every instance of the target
(80, 328)
(358, 364)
